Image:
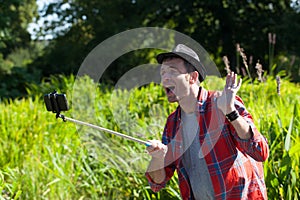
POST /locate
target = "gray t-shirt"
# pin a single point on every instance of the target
(193, 160)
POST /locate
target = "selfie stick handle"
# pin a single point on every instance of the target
(103, 129)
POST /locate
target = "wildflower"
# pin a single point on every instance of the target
(227, 66)
(259, 71)
(244, 57)
(278, 84)
(272, 38)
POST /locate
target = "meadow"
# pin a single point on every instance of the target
(43, 157)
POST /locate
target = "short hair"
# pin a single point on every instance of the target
(189, 67)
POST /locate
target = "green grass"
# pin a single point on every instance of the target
(45, 158)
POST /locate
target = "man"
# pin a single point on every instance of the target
(210, 139)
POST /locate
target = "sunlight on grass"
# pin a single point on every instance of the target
(45, 158)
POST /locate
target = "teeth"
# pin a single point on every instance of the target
(169, 89)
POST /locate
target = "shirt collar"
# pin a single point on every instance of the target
(202, 98)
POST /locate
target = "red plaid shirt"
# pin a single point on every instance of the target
(235, 165)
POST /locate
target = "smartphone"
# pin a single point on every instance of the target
(56, 102)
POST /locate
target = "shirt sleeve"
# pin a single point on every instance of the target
(155, 187)
(170, 165)
(257, 146)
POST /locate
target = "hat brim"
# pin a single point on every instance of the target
(198, 65)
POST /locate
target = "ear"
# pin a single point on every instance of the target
(193, 77)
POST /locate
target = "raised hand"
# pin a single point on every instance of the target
(225, 102)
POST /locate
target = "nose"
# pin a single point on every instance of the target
(165, 78)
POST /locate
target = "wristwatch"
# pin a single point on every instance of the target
(232, 116)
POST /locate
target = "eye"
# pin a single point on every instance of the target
(174, 71)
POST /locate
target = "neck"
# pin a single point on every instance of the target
(188, 104)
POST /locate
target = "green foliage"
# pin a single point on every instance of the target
(16, 47)
(14, 20)
(45, 158)
(16, 73)
(278, 119)
(218, 26)
(13, 84)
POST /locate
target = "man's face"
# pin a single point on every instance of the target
(175, 79)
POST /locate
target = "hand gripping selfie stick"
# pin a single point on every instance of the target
(58, 102)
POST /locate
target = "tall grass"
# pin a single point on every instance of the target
(278, 119)
(45, 158)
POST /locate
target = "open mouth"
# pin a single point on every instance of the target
(170, 89)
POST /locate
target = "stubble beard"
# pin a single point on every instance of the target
(172, 98)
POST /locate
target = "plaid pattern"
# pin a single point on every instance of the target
(235, 165)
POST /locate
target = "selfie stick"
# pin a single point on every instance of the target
(102, 129)
(58, 102)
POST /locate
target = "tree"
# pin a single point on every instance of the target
(15, 18)
(217, 25)
(16, 48)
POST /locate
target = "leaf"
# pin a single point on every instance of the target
(294, 149)
(293, 178)
(275, 183)
(287, 144)
(296, 109)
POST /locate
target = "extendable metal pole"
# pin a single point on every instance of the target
(103, 129)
